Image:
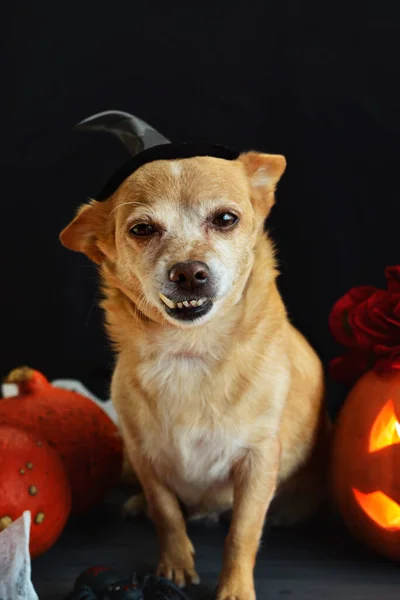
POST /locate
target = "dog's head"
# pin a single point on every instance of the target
(179, 236)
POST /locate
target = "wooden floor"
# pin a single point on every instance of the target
(319, 561)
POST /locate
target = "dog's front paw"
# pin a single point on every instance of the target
(177, 561)
(135, 506)
(236, 587)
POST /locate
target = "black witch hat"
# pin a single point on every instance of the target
(145, 145)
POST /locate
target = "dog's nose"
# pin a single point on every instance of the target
(190, 275)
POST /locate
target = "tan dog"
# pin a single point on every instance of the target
(220, 399)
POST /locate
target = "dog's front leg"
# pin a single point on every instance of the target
(176, 550)
(255, 480)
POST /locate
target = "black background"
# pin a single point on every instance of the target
(316, 81)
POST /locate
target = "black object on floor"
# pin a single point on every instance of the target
(317, 561)
(103, 583)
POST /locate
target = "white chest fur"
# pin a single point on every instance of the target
(193, 447)
(193, 460)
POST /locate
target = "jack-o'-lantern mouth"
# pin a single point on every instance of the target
(381, 509)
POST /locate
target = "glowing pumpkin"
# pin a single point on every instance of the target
(365, 462)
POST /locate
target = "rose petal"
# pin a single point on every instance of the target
(339, 323)
(392, 352)
(388, 358)
(392, 321)
(396, 308)
(365, 322)
(373, 321)
(347, 369)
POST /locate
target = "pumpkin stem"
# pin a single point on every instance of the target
(28, 380)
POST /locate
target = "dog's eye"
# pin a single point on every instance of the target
(225, 220)
(142, 230)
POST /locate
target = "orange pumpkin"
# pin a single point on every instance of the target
(86, 439)
(365, 474)
(33, 478)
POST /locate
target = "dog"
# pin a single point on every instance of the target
(220, 399)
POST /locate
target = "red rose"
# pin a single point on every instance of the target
(377, 320)
(339, 320)
(387, 358)
(348, 368)
(367, 320)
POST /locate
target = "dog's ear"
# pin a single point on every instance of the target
(87, 231)
(264, 171)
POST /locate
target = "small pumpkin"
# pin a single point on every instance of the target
(86, 439)
(365, 474)
(33, 478)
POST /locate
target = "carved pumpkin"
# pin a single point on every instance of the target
(33, 478)
(365, 466)
(86, 439)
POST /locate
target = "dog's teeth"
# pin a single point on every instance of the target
(167, 301)
(185, 303)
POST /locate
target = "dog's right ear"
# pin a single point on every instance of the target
(87, 231)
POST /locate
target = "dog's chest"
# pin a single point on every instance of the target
(193, 458)
(195, 443)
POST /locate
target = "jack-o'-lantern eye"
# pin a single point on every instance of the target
(386, 429)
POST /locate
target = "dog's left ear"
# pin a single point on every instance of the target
(264, 171)
(87, 232)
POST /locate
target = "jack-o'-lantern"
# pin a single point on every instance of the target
(365, 462)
